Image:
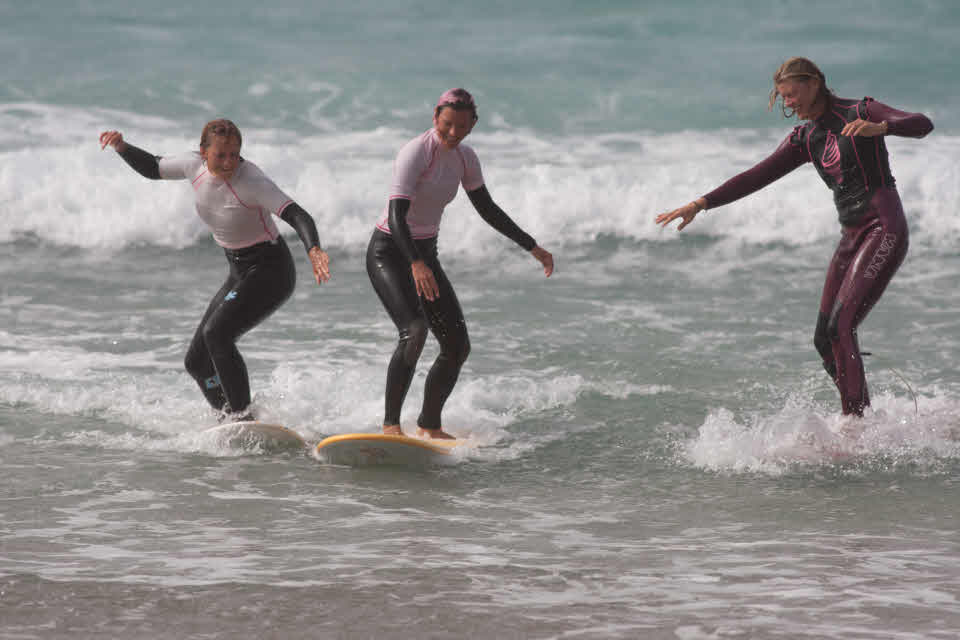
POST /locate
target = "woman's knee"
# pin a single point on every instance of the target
(412, 338)
(464, 351)
(218, 340)
(457, 350)
(821, 338)
(196, 363)
(197, 360)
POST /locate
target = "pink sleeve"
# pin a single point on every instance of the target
(410, 164)
(179, 167)
(472, 175)
(899, 123)
(269, 196)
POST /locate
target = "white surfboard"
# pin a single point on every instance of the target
(255, 435)
(368, 449)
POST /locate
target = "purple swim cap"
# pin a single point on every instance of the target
(456, 97)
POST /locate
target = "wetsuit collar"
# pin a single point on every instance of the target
(236, 171)
(826, 108)
(439, 141)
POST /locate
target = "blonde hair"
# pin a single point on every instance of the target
(221, 128)
(797, 68)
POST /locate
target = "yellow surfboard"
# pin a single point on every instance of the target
(368, 449)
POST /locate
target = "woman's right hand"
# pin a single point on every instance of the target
(688, 212)
(423, 278)
(320, 262)
(113, 139)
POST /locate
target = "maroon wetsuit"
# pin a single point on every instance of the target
(873, 236)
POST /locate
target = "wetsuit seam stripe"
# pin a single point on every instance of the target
(230, 186)
(387, 231)
(876, 149)
(259, 210)
(266, 227)
(853, 143)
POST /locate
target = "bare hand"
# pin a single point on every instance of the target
(688, 212)
(864, 128)
(320, 262)
(545, 258)
(113, 139)
(423, 278)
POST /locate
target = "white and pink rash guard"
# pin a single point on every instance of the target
(239, 212)
(428, 174)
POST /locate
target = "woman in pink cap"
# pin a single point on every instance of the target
(402, 257)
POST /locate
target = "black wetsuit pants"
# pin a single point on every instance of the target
(390, 274)
(261, 279)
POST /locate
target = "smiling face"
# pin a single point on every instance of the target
(222, 156)
(453, 125)
(802, 96)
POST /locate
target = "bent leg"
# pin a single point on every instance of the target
(390, 276)
(260, 289)
(831, 287)
(881, 248)
(450, 329)
(197, 360)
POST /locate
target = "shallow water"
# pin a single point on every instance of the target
(654, 450)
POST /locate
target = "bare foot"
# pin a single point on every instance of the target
(439, 434)
(392, 430)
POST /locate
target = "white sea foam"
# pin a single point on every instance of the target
(160, 409)
(563, 190)
(894, 430)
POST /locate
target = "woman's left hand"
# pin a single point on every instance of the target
(321, 264)
(864, 128)
(545, 258)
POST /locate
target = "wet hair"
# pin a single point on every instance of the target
(220, 128)
(458, 100)
(797, 69)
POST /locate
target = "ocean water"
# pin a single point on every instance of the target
(655, 451)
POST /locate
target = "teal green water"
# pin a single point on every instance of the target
(554, 67)
(655, 450)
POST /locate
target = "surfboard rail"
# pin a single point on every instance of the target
(369, 449)
(250, 434)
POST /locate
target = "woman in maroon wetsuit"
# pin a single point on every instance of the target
(844, 141)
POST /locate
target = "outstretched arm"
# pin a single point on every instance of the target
(142, 162)
(294, 215)
(499, 220)
(785, 159)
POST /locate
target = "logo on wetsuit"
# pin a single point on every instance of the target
(230, 296)
(830, 160)
(831, 151)
(879, 259)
